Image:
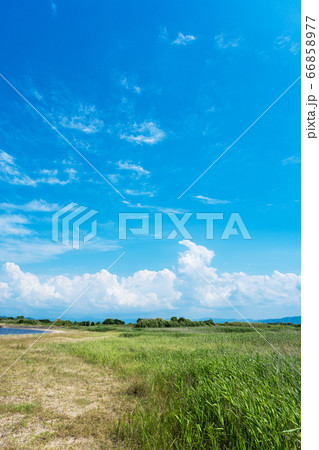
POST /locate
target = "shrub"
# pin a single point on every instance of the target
(181, 322)
(113, 322)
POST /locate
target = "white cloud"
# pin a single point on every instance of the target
(53, 8)
(27, 250)
(64, 109)
(166, 210)
(86, 120)
(135, 168)
(136, 192)
(183, 39)
(49, 176)
(240, 289)
(156, 208)
(223, 41)
(152, 291)
(285, 42)
(33, 206)
(291, 160)
(144, 290)
(113, 177)
(21, 248)
(11, 173)
(130, 86)
(124, 83)
(36, 94)
(144, 133)
(163, 35)
(210, 201)
(28, 286)
(13, 224)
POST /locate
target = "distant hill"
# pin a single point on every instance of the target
(293, 319)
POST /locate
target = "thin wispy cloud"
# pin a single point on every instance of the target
(13, 224)
(291, 160)
(210, 201)
(25, 249)
(51, 176)
(66, 110)
(53, 7)
(35, 93)
(33, 206)
(130, 86)
(163, 35)
(285, 42)
(144, 133)
(11, 173)
(140, 193)
(183, 39)
(21, 245)
(124, 83)
(167, 210)
(222, 40)
(136, 169)
(86, 120)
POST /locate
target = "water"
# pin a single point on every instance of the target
(20, 331)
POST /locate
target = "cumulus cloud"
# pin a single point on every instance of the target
(149, 291)
(11, 173)
(144, 290)
(183, 39)
(144, 133)
(238, 288)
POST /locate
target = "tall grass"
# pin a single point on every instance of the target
(205, 389)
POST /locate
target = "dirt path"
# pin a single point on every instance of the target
(50, 399)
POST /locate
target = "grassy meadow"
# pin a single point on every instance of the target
(215, 387)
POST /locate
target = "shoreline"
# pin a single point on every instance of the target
(32, 327)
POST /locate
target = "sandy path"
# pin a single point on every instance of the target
(50, 399)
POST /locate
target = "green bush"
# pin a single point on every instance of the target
(173, 323)
(113, 322)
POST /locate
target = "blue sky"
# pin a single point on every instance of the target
(151, 93)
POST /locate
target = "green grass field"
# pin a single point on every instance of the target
(219, 387)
